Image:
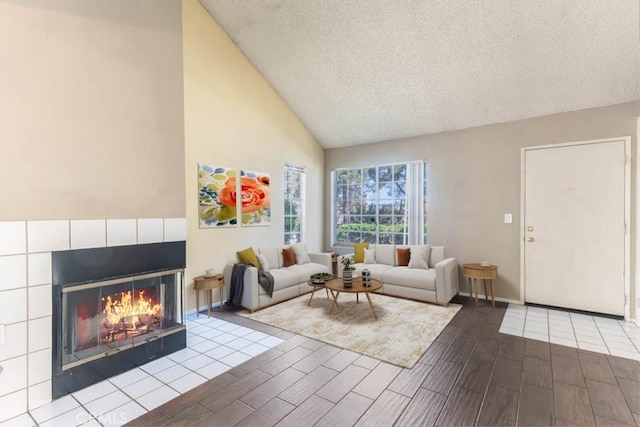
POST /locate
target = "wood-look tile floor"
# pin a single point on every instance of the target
(471, 375)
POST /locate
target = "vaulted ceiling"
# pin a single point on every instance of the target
(359, 71)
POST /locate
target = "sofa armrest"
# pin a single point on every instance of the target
(250, 298)
(446, 280)
(340, 267)
(323, 258)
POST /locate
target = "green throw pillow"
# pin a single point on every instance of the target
(358, 249)
(248, 256)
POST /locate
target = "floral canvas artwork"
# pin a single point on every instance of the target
(256, 201)
(217, 196)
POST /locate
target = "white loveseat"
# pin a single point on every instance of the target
(437, 284)
(289, 282)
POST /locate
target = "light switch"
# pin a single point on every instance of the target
(3, 335)
(508, 218)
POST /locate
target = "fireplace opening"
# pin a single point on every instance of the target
(114, 309)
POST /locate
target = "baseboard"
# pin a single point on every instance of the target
(482, 296)
(193, 311)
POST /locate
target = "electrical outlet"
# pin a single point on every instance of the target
(3, 335)
(508, 218)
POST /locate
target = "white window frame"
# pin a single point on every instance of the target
(294, 207)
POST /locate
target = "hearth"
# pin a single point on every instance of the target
(114, 309)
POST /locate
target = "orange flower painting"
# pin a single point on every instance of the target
(216, 197)
(255, 198)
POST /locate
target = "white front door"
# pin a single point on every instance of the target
(574, 226)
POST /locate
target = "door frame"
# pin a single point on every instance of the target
(627, 211)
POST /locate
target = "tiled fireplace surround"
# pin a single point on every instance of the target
(25, 293)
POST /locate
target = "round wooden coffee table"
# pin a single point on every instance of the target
(336, 287)
(315, 287)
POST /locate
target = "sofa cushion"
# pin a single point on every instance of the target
(272, 256)
(248, 256)
(300, 253)
(305, 271)
(358, 251)
(437, 255)
(264, 264)
(288, 257)
(375, 269)
(411, 277)
(283, 278)
(403, 256)
(369, 256)
(420, 257)
(386, 254)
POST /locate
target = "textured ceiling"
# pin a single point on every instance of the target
(359, 71)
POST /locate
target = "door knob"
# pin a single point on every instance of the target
(529, 228)
(530, 239)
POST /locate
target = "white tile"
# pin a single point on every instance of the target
(536, 327)
(590, 332)
(212, 333)
(617, 331)
(616, 338)
(515, 314)
(175, 229)
(122, 414)
(555, 314)
(91, 423)
(39, 301)
(582, 319)
(199, 329)
(23, 420)
(13, 404)
(188, 382)
(74, 417)
(143, 386)
(39, 366)
(150, 230)
(235, 359)
(107, 403)
(563, 341)
(89, 233)
(590, 340)
(197, 362)
(271, 342)
(16, 341)
(256, 336)
(13, 306)
(536, 336)
(242, 332)
(604, 321)
(238, 343)
(213, 370)
(14, 272)
(565, 327)
(510, 331)
(47, 236)
(172, 373)
(514, 321)
(228, 327)
(94, 392)
(224, 338)
(40, 269)
(194, 340)
(158, 397)
(12, 377)
(40, 394)
(158, 365)
(129, 377)
(563, 334)
(182, 355)
(121, 232)
(536, 310)
(254, 349)
(13, 237)
(621, 346)
(593, 347)
(53, 409)
(39, 334)
(204, 346)
(625, 354)
(219, 352)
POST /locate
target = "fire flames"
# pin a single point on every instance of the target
(129, 313)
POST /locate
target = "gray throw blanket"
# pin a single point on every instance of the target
(236, 287)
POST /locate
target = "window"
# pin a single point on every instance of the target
(381, 204)
(294, 185)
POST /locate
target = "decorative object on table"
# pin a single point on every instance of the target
(366, 278)
(347, 273)
(320, 278)
(255, 198)
(216, 196)
(400, 336)
(210, 272)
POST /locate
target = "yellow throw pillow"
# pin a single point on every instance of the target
(248, 256)
(358, 252)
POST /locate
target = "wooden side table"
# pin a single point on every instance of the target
(208, 284)
(474, 272)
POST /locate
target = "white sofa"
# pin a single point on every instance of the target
(289, 282)
(438, 284)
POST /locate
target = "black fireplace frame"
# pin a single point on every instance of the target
(78, 267)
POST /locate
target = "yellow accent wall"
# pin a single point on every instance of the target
(234, 118)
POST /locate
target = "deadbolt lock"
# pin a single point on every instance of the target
(529, 228)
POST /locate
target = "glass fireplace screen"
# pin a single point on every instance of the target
(102, 318)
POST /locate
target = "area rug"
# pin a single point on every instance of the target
(403, 332)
